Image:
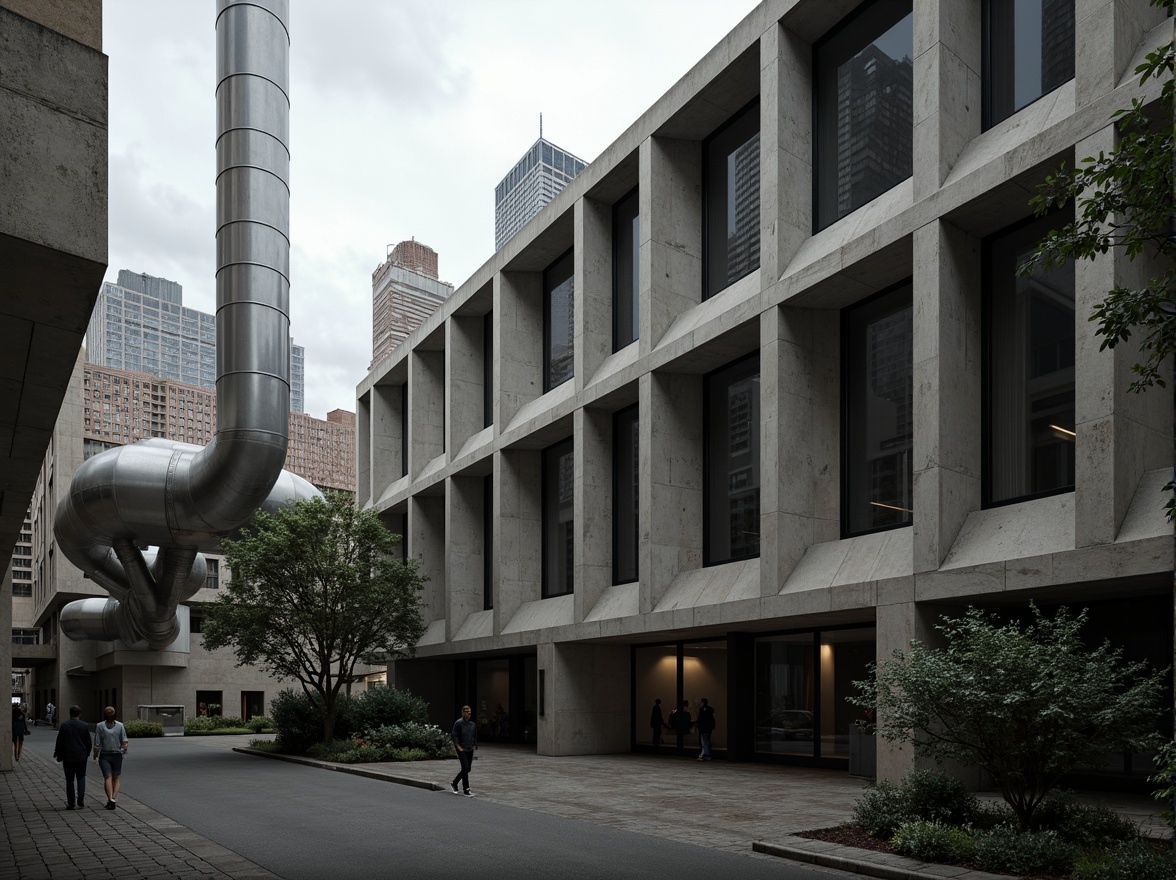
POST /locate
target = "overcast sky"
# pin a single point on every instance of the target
(404, 117)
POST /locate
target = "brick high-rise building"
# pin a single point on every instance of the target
(405, 291)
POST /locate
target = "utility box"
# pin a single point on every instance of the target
(171, 717)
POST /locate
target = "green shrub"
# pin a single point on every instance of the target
(934, 796)
(384, 706)
(199, 724)
(881, 809)
(933, 842)
(220, 722)
(993, 814)
(359, 753)
(265, 745)
(1128, 861)
(428, 738)
(259, 724)
(1022, 852)
(137, 728)
(407, 755)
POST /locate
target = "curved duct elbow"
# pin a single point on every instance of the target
(176, 496)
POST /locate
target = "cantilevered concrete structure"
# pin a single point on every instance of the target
(759, 395)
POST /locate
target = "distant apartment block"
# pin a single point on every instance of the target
(141, 324)
(405, 291)
(532, 183)
(121, 407)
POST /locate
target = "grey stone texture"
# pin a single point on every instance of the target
(967, 184)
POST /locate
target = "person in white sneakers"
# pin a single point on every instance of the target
(110, 744)
(465, 740)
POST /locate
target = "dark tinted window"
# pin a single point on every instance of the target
(559, 330)
(863, 106)
(1029, 370)
(731, 158)
(879, 412)
(626, 246)
(558, 510)
(732, 486)
(488, 370)
(1028, 52)
(625, 495)
(488, 541)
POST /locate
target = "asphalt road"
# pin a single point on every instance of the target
(304, 823)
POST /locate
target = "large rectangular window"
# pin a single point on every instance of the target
(559, 326)
(1029, 370)
(863, 108)
(731, 226)
(488, 370)
(404, 420)
(558, 510)
(626, 246)
(488, 542)
(732, 462)
(625, 495)
(879, 412)
(1028, 52)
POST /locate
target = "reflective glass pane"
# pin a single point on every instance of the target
(1030, 52)
(732, 201)
(704, 676)
(625, 495)
(626, 245)
(785, 702)
(656, 673)
(864, 102)
(845, 658)
(733, 462)
(560, 326)
(558, 510)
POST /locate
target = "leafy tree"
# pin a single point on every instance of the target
(1125, 201)
(1027, 703)
(315, 589)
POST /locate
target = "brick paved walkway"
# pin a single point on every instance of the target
(41, 840)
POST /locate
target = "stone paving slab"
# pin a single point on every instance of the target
(39, 838)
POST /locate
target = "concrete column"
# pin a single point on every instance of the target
(898, 624)
(387, 426)
(518, 529)
(1120, 435)
(672, 432)
(426, 526)
(464, 549)
(594, 285)
(426, 404)
(947, 83)
(1107, 35)
(946, 387)
(786, 168)
(671, 249)
(464, 372)
(518, 342)
(593, 507)
(586, 701)
(800, 430)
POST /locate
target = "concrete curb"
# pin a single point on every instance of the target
(342, 768)
(866, 862)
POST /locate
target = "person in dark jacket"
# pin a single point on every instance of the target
(72, 749)
(657, 722)
(465, 740)
(19, 729)
(705, 722)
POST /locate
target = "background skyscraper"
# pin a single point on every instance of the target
(141, 324)
(405, 291)
(538, 177)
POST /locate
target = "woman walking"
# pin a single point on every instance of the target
(110, 744)
(19, 729)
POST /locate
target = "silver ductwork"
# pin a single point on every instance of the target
(176, 497)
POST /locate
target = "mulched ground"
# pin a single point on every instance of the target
(852, 835)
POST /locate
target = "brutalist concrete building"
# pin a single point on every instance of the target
(760, 395)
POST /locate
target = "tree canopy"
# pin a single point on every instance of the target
(1026, 703)
(313, 590)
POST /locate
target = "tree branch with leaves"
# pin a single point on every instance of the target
(314, 590)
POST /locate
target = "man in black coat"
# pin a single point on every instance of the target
(72, 749)
(657, 722)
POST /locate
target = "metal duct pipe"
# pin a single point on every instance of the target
(183, 498)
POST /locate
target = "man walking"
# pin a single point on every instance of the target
(465, 740)
(72, 748)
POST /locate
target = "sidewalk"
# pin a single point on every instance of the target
(41, 839)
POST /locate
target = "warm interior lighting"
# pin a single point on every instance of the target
(1062, 430)
(889, 506)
